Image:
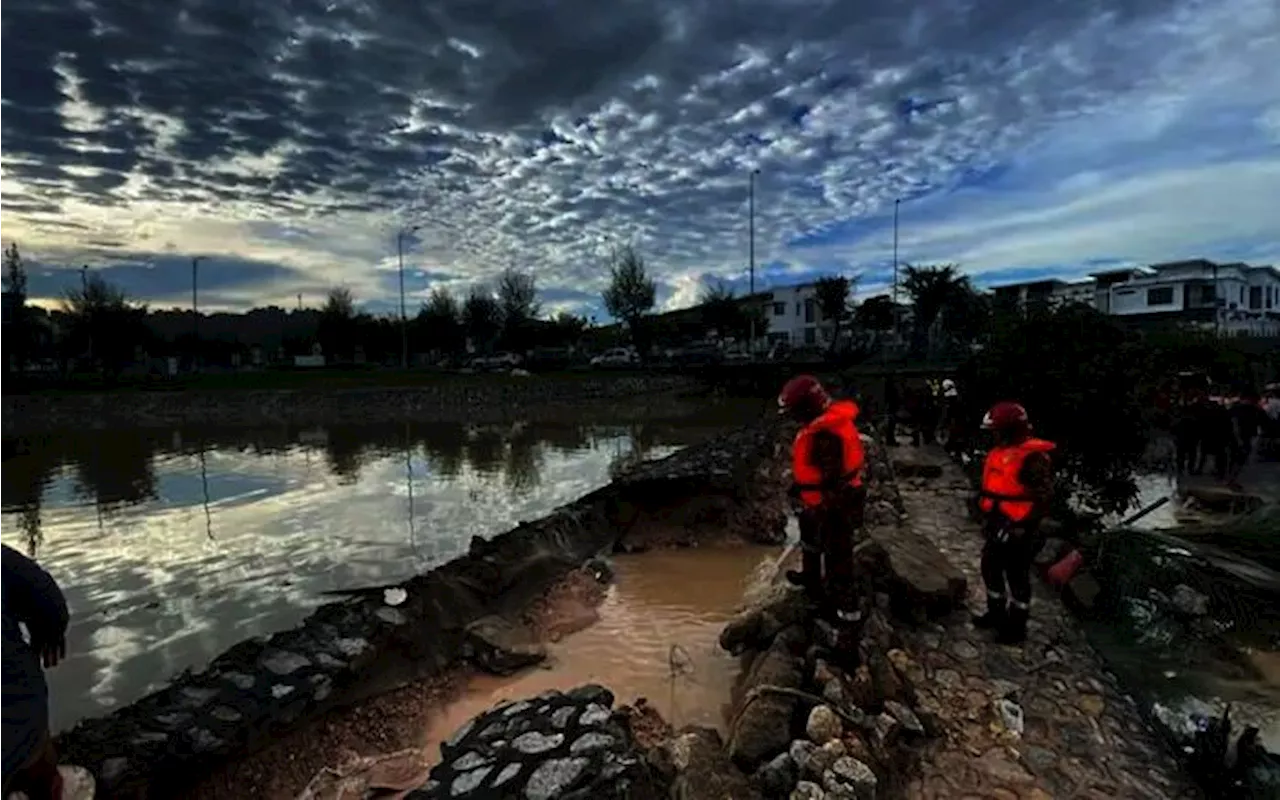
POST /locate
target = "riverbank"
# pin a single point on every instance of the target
(463, 398)
(1046, 719)
(913, 702)
(414, 636)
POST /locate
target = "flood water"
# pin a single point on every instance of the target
(173, 545)
(657, 637)
(1187, 669)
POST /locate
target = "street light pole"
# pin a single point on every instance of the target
(896, 202)
(195, 311)
(751, 256)
(404, 324)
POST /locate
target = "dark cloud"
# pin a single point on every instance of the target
(541, 132)
(163, 277)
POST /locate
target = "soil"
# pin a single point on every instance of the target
(379, 743)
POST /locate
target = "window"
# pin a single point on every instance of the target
(1241, 295)
(1255, 297)
(810, 335)
(1270, 296)
(808, 311)
(1160, 296)
(797, 309)
(779, 309)
(1207, 297)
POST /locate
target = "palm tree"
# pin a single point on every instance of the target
(933, 291)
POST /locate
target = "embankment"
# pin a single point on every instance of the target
(465, 398)
(467, 611)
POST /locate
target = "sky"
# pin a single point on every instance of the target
(294, 143)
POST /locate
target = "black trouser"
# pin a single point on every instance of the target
(1187, 453)
(826, 544)
(1006, 559)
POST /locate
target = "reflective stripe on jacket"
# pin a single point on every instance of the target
(1002, 488)
(838, 420)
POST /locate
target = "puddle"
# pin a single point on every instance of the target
(657, 638)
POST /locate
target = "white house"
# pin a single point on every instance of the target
(794, 317)
(1233, 299)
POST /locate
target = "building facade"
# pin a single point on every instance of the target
(1231, 299)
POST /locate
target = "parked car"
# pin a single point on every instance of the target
(616, 357)
(497, 361)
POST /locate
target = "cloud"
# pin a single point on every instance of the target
(305, 134)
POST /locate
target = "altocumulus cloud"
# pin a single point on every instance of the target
(289, 140)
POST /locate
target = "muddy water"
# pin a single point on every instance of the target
(656, 637)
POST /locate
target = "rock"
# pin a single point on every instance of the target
(1002, 768)
(762, 728)
(861, 689)
(822, 759)
(281, 662)
(776, 778)
(552, 777)
(905, 716)
(1051, 552)
(704, 769)
(801, 752)
(807, 790)
(533, 742)
(850, 778)
(1082, 592)
(884, 679)
(823, 725)
(885, 730)
(1010, 716)
(498, 646)
(923, 584)
(1189, 602)
(756, 628)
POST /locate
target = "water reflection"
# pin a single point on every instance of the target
(172, 545)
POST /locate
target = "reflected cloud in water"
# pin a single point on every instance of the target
(173, 545)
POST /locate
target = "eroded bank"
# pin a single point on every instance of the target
(467, 612)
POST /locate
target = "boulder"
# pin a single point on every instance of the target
(755, 629)
(703, 769)
(777, 778)
(823, 725)
(501, 647)
(922, 583)
(849, 779)
(762, 728)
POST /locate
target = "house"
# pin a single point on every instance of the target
(1050, 292)
(1233, 299)
(794, 316)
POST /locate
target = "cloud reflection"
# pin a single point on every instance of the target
(173, 545)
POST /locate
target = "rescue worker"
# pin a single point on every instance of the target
(826, 463)
(1017, 486)
(32, 599)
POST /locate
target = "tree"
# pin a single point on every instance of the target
(1080, 376)
(482, 318)
(15, 272)
(439, 322)
(723, 312)
(832, 296)
(932, 290)
(102, 324)
(876, 314)
(631, 293)
(564, 330)
(518, 306)
(19, 333)
(339, 327)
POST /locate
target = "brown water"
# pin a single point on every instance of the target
(656, 638)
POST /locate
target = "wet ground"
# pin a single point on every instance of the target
(174, 545)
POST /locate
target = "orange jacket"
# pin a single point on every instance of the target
(1002, 488)
(838, 420)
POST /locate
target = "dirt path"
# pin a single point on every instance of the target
(1081, 737)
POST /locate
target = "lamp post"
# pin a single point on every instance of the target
(404, 324)
(195, 311)
(897, 201)
(751, 256)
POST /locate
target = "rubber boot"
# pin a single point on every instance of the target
(1014, 630)
(995, 617)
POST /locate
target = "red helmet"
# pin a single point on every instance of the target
(804, 394)
(1006, 416)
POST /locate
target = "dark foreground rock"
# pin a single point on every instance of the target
(385, 637)
(565, 745)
